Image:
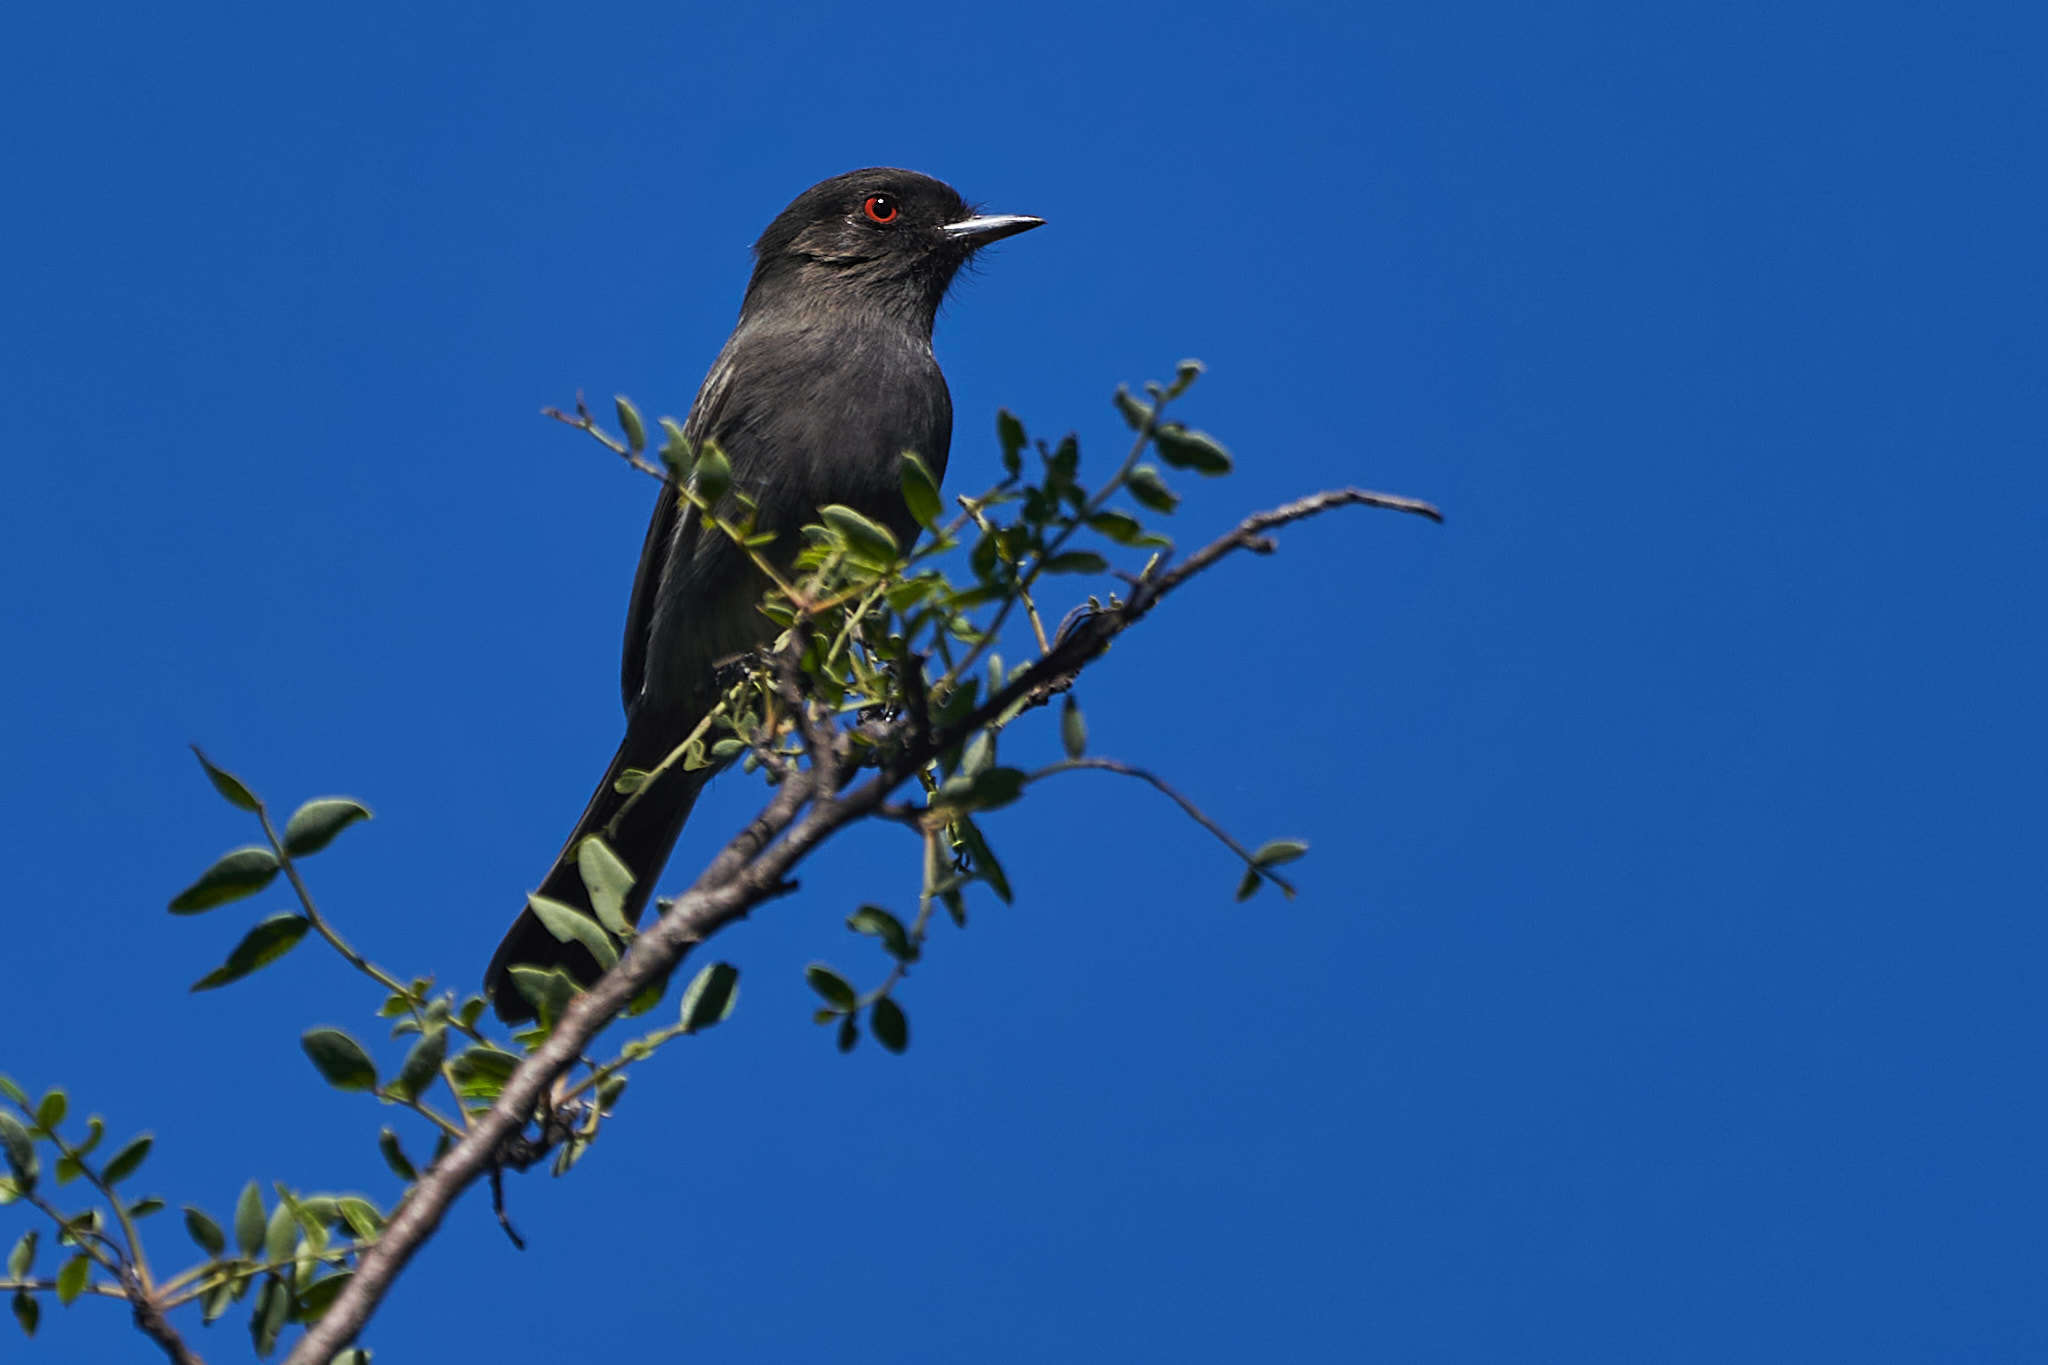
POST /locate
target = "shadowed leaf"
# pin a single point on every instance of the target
(340, 1059)
(243, 872)
(314, 825)
(710, 996)
(226, 783)
(891, 1029)
(270, 940)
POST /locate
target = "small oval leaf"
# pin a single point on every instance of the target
(710, 998)
(920, 491)
(314, 825)
(1196, 450)
(205, 1233)
(249, 1222)
(242, 872)
(608, 880)
(831, 986)
(340, 1059)
(890, 1028)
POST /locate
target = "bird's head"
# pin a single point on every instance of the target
(881, 237)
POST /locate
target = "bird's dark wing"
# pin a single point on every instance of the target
(662, 535)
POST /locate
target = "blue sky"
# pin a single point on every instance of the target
(1666, 982)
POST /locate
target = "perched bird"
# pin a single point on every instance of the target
(826, 380)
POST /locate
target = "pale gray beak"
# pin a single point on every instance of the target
(980, 231)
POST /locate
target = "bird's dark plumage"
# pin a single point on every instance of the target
(827, 378)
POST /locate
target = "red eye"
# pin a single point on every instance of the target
(881, 208)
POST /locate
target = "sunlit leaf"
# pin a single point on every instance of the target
(608, 880)
(1073, 728)
(630, 423)
(571, 925)
(72, 1278)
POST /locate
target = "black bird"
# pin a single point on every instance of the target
(827, 378)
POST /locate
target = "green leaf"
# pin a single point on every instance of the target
(988, 790)
(549, 990)
(71, 1279)
(984, 859)
(243, 872)
(354, 1355)
(483, 1063)
(1123, 528)
(1010, 436)
(227, 784)
(630, 423)
(23, 1256)
(394, 1157)
(1135, 413)
(340, 1059)
(1184, 375)
(273, 1309)
(123, 1163)
(830, 985)
(675, 451)
(27, 1312)
(281, 1237)
(317, 1297)
(607, 878)
(714, 473)
(1249, 884)
(710, 997)
(314, 825)
(1073, 728)
(1196, 450)
(362, 1217)
(1148, 488)
(891, 1029)
(205, 1233)
(50, 1111)
(13, 1091)
(849, 1033)
(1274, 852)
(869, 541)
(270, 940)
(249, 1220)
(145, 1206)
(422, 1063)
(873, 919)
(920, 491)
(1075, 561)
(21, 1153)
(571, 925)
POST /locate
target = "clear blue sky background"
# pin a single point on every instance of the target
(1667, 979)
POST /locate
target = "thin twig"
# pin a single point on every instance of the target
(1194, 812)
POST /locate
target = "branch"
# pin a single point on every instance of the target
(751, 869)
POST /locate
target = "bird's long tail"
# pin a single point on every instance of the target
(642, 834)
